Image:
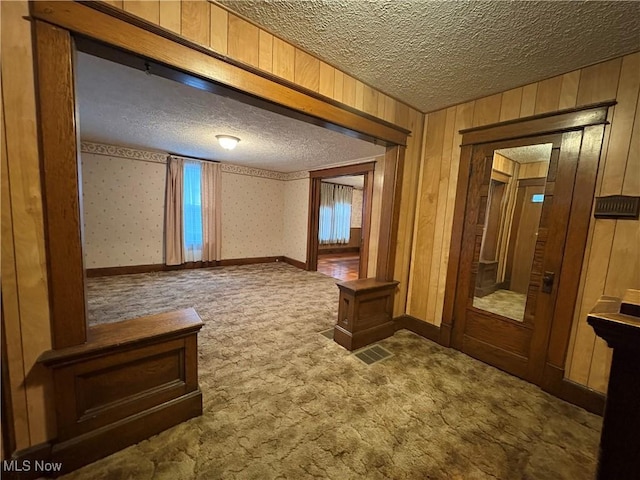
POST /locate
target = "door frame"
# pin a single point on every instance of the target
(591, 120)
(316, 177)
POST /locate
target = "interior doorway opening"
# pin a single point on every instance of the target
(340, 226)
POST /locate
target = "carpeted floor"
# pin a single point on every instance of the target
(282, 401)
(503, 302)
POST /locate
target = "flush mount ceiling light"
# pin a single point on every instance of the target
(227, 141)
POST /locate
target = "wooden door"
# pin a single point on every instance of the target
(496, 335)
(528, 212)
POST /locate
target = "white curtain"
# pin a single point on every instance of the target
(335, 213)
(192, 212)
(211, 213)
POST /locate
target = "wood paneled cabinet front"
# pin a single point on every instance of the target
(365, 312)
(129, 381)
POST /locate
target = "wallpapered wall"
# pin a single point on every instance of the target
(264, 213)
(252, 216)
(296, 208)
(123, 201)
(356, 209)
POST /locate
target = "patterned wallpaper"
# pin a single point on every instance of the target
(252, 216)
(296, 215)
(123, 202)
(264, 213)
(356, 209)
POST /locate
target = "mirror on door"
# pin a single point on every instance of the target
(514, 206)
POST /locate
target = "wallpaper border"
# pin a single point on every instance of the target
(159, 157)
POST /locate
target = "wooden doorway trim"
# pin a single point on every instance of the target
(129, 33)
(316, 176)
(57, 24)
(590, 121)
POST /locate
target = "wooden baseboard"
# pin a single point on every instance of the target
(28, 464)
(295, 263)
(159, 267)
(82, 450)
(422, 328)
(248, 261)
(556, 384)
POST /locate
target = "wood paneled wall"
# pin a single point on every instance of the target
(25, 299)
(612, 257)
(216, 27)
(24, 269)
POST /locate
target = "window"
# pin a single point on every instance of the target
(335, 213)
(192, 212)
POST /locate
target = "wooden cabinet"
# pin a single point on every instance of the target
(129, 381)
(618, 323)
(365, 312)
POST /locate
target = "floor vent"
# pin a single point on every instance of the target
(327, 333)
(373, 354)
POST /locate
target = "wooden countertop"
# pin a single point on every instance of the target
(107, 337)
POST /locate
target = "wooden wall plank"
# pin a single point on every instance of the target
(622, 126)
(441, 210)
(631, 184)
(597, 262)
(408, 200)
(243, 41)
(402, 115)
(370, 101)
(219, 29)
(115, 3)
(11, 307)
(146, 9)
(599, 82)
(382, 102)
(425, 221)
(307, 70)
(283, 59)
(338, 88)
(194, 23)
(389, 109)
(170, 15)
(569, 90)
(265, 53)
(528, 104)
(23, 159)
(510, 107)
(349, 91)
(487, 110)
(359, 95)
(327, 82)
(548, 96)
(464, 119)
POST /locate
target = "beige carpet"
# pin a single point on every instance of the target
(283, 402)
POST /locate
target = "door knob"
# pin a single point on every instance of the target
(547, 281)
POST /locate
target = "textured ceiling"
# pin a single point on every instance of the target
(528, 154)
(123, 106)
(435, 54)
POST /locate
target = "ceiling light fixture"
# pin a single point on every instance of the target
(227, 141)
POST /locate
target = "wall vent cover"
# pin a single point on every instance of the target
(617, 206)
(373, 354)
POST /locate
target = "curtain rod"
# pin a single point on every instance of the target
(193, 158)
